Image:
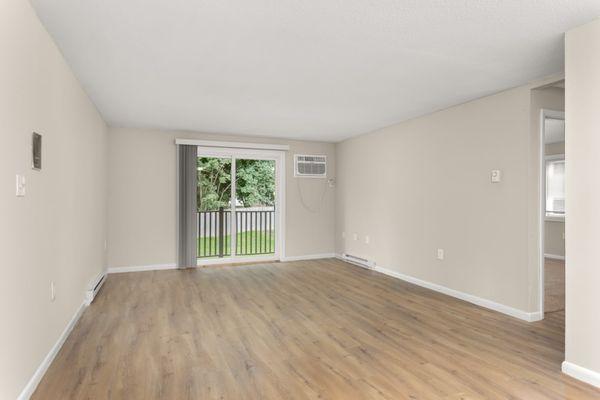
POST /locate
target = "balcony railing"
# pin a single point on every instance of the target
(255, 232)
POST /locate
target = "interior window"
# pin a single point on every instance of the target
(555, 187)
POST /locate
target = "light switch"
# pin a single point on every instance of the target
(20, 185)
(496, 176)
(440, 254)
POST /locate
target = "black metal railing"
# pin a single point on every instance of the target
(255, 232)
(214, 233)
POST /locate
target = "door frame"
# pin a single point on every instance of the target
(255, 154)
(544, 114)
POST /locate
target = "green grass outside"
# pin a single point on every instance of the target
(249, 243)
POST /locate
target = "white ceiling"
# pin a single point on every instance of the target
(322, 70)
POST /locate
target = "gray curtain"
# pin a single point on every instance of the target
(187, 187)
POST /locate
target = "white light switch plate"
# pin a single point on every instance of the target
(20, 185)
(440, 254)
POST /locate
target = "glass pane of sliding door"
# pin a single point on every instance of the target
(214, 217)
(255, 222)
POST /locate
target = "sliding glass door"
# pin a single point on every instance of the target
(238, 216)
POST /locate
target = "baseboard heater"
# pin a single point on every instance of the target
(94, 288)
(361, 262)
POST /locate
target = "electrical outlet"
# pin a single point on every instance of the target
(440, 254)
(367, 239)
(355, 236)
(343, 235)
(52, 291)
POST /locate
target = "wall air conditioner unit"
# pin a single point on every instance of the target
(307, 166)
(361, 262)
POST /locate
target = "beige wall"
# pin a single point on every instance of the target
(583, 194)
(57, 231)
(554, 242)
(425, 184)
(555, 148)
(142, 196)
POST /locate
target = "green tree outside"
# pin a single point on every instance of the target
(255, 185)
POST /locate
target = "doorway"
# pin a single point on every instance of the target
(240, 207)
(553, 211)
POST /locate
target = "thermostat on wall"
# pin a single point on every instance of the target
(36, 151)
(496, 176)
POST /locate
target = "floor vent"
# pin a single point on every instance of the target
(94, 288)
(361, 262)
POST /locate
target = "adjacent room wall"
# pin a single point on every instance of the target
(142, 196)
(57, 231)
(583, 197)
(425, 184)
(554, 241)
(549, 98)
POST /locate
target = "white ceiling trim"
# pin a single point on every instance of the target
(232, 145)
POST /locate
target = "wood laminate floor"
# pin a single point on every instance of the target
(301, 330)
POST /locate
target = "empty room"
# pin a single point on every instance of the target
(299, 200)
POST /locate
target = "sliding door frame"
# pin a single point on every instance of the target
(544, 114)
(235, 153)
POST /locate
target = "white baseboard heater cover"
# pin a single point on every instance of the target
(361, 262)
(94, 288)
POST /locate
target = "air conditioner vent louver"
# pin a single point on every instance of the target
(310, 166)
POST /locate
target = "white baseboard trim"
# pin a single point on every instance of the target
(504, 309)
(202, 262)
(580, 373)
(158, 267)
(139, 268)
(308, 257)
(554, 257)
(41, 370)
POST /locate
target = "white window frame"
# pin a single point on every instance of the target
(541, 161)
(550, 216)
